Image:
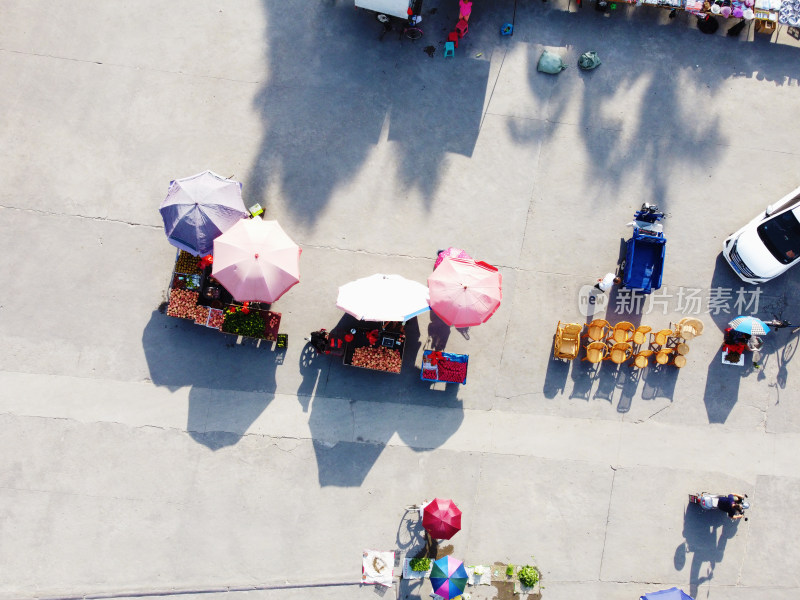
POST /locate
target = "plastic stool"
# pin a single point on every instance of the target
(462, 28)
(449, 49)
(453, 37)
(507, 29)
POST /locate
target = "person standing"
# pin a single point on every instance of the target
(604, 284)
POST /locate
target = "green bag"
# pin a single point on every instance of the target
(550, 63)
(589, 60)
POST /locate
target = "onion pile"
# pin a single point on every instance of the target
(182, 303)
(379, 359)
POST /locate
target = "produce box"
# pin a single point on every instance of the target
(215, 318)
(187, 263)
(182, 303)
(377, 358)
(444, 366)
(186, 281)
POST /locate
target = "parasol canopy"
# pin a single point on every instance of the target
(382, 297)
(441, 518)
(670, 594)
(256, 261)
(199, 208)
(465, 292)
(448, 577)
(750, 325)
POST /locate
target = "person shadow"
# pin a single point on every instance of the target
(706, 534)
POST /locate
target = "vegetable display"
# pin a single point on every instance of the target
(249, 324)
(419, 564)
(378, 358)
(182, 303)
(528, 576)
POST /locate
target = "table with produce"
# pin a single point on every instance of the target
(444, 366)
(377, 348)
(195, 295)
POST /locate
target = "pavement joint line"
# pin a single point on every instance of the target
(131, 67)
(608, 518)
(51, 213)
(145, 593)
(491, 95)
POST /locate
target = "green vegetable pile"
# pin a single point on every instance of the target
(420, 564)
(249, 324)
(528, 576)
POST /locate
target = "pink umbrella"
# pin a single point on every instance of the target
(465, 292)
(452, 253)
(256, 261)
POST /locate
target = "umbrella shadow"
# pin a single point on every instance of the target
(230, 384)
(378, 406)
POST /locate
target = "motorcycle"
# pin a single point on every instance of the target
(733, 505)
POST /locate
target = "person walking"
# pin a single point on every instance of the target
(604, 284)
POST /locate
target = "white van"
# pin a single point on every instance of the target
(769, 244)
(384, 9)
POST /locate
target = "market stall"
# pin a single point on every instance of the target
(444, 366)
(375, 346)
(196, 295)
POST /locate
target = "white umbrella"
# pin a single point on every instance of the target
(382, 297)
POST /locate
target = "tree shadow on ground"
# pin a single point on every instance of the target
(231, 383)
(336, 89)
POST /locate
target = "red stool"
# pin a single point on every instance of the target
(453, 37)
(462, 28)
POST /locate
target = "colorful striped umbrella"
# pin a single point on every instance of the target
(448, 577)
(750, 325)
(441, 518)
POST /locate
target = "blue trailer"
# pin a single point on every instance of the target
(644, 256)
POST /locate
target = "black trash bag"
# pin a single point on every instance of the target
(707, 24)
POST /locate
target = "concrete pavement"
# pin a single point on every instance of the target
(144, 455)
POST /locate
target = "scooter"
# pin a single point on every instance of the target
(733, 505)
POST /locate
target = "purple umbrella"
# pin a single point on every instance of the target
(199, 208)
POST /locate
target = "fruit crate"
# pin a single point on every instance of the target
(449, 367)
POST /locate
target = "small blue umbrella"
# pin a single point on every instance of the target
(750, 325)
(670, 594)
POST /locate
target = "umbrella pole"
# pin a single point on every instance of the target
(431, 546)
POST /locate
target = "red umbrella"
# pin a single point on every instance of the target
(442, 519)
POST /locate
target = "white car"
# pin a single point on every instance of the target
(769, 244)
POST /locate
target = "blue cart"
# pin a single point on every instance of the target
(644, 255)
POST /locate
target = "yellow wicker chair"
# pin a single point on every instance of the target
(567, 342)
(621, 333)
(619, 353)
(596, 352)
(640, 335)
(642, 359)
(597, 330)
